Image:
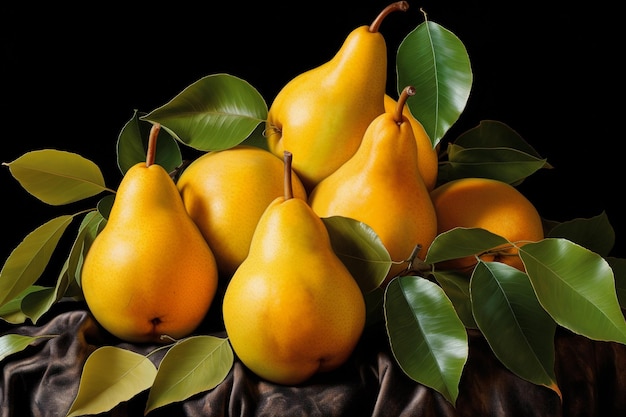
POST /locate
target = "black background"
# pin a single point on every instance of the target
(71, 78)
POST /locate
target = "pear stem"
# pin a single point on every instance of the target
(152, 141)
(406, 93)
(287, 158)
(401, 6)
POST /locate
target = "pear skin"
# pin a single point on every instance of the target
(149, 273)
(292, 309)
(381, 186)
(225, 192)
(321, 114)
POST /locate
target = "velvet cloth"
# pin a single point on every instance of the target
(43, 380)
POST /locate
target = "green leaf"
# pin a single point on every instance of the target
(110, 376)
(427, 337)
(374, 308)
(618, 265)
(518, 329)
(576, 287)
(11, 312)
(595, 233)
(461, 242)
(29, 259)
(105, 204)
(216, 112)
(132, 146)
(13, 343)
(457, 288)
(360, 249)
(436, 63)
(38, 303)
(491, 150)
(57, 177)
(191, 366)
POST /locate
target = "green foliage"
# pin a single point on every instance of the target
(569, 279)
(427, 338)
(216, 112)
(436, 63)
(360, 249)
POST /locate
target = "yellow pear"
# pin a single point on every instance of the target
(225, 192)
(492, 205)
(149, 273)
(427, 157)
(292, 309)
(321, 114)
(381, 186)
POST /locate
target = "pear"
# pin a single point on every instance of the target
(321, 114)
(149, 275)
(381, 186)
(427, 155)
(225, 192)
(292, 308)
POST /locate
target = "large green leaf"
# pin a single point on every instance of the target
(461, 242)
(57, 177)
(132, 146)
(595, 233)
(426, 335)
(216, 112)
(434, 61)
(29, 259)
(110, 376)
(360, 249)
(491, 150)
(518, 329)
(576, 287)
(191, 366)
(618, 265)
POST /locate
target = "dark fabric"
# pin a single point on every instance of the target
(43, 380)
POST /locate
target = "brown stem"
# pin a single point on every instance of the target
(152, 142)
(406, 93)
(401, 6)
(287, 157)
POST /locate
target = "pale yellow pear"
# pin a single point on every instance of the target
(381, 186)
(427, 155)
(320, 115)
(225, 192)
(292, 309)
(149, 273)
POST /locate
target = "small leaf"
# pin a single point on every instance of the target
(456, 287)
(360, 249)
(57, 177)
(427, 337)
(595, 233)
(13, 343)
(110, 376)
(461, 242)
(216, 112)
(29, 259)
(132, 146)
(11, 312)
(576, 287)
(492, 134)
(191, 366)
(436, 63)
(518, 329)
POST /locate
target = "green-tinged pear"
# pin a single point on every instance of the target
(292, 308)
(381, 186)
(149, 275)
(321, 114)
